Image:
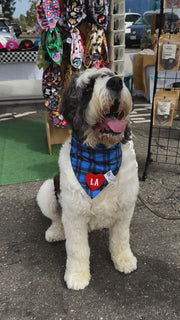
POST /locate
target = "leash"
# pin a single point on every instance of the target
(156, 212)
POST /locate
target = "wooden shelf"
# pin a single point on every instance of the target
(55, 135)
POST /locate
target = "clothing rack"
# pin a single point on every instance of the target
(115, 36)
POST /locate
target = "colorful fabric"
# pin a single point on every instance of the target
(98, 11)
(63, 21)
(93, 166)
(52, 12)
(12, 45)
(75, 12)
(44, 52)
(41, 16)
(52, 46)
(96, 53)
(51, 86)
(37, 42)
(48, 13)
(51, 80)
(26, 44)
(77, 49)
(53, 107)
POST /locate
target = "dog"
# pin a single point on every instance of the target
(97, 186)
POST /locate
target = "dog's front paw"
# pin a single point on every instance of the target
(125, 262)
(54, 233)
(78, 280)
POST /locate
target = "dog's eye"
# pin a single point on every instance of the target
(103, 75)
(90, 86)
(89, 89)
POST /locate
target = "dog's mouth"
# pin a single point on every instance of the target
(113, 121)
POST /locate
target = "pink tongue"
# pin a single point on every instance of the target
(111, 123)
(115, 125)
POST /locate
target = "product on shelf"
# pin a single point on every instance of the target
(169, 52)
(172, 4)
(165, 107)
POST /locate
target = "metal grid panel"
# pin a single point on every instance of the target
(164, 141)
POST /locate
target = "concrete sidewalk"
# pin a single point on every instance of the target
(32, 270)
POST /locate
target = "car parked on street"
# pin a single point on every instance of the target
(17, 29)
(134, 33)
(5, 25)
(5, 36)
(130, 18)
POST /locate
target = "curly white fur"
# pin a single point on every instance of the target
(112, 208)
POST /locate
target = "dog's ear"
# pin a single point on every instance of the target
(69, 99)
(127, 134)
(73, 107)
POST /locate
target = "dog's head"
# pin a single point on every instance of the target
(96, 104)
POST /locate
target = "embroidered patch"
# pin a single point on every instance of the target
(94, 181)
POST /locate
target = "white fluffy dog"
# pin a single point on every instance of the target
(98, 183)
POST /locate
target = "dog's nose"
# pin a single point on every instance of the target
(114, 83)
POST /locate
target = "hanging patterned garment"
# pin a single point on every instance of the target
(75, 12)
(48, 13)
(96, 53)
(77, 49)
(52, 48)
(98, 11)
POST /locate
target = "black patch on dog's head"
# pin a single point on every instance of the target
(127, 134)
(74, 104)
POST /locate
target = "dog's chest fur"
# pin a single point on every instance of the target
(111, 203)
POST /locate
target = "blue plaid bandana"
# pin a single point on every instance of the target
(94, 168)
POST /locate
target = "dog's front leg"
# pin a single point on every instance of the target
(77, 275)
(121, 254)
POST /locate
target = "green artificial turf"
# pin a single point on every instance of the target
(24, 153)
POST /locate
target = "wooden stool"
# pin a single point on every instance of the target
(55, 135)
